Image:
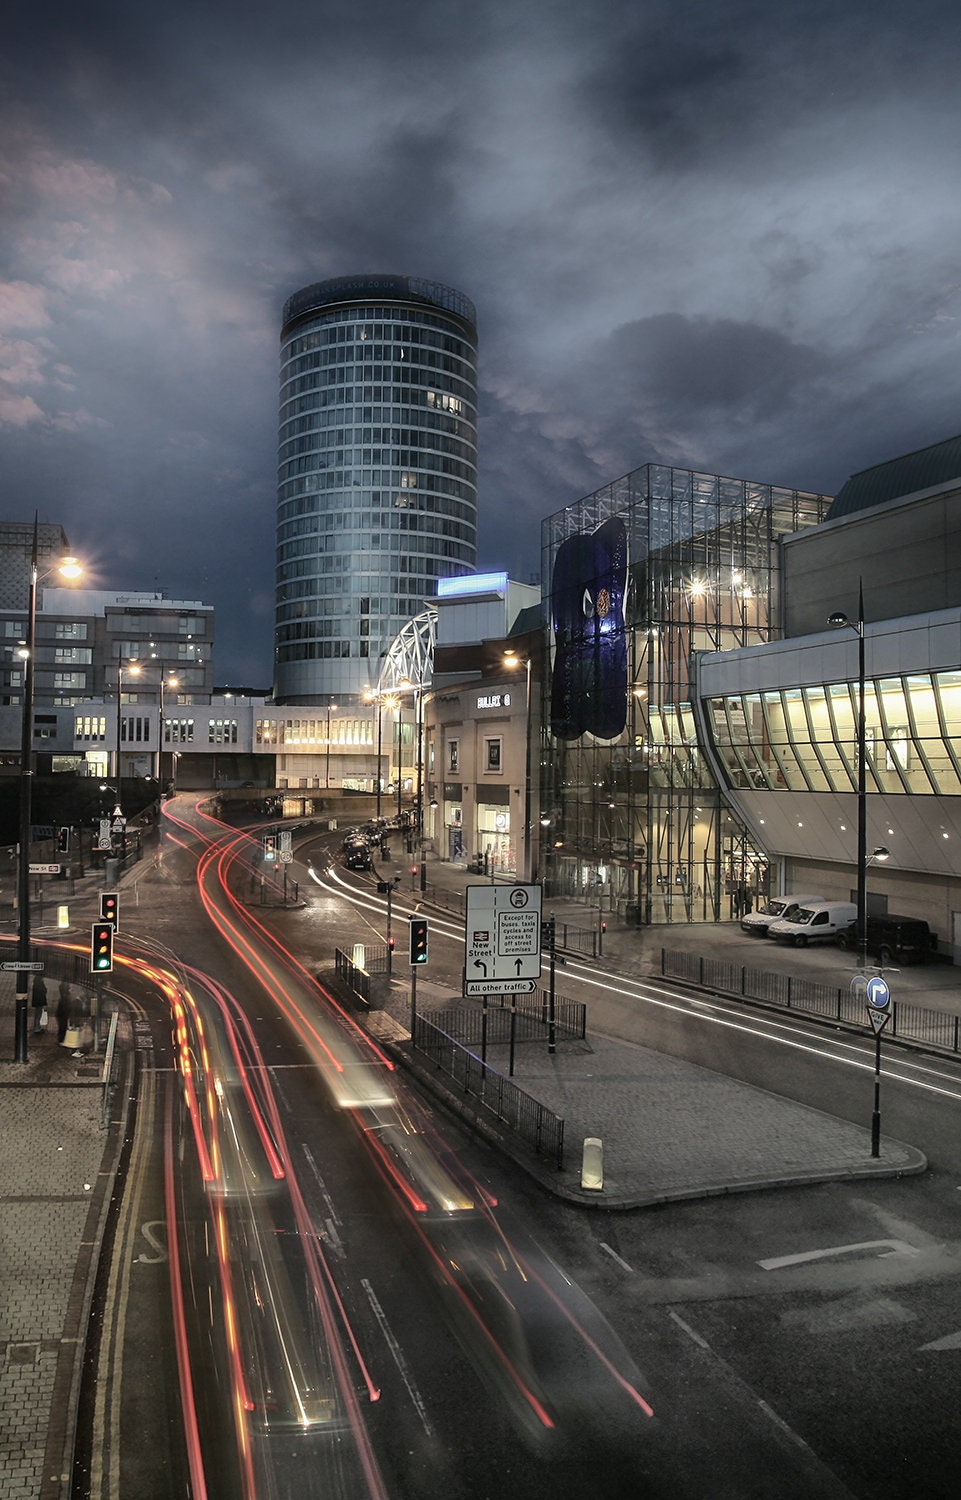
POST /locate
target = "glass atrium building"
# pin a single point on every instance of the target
(377, 482)
(642, 575)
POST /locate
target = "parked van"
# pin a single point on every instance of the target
(893, 939)
(817, 922)
(758, 922)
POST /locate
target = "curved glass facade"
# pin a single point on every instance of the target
(377, 473)
(804, 739)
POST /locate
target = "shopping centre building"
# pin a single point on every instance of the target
(699, 733)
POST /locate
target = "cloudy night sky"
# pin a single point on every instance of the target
(721, 234)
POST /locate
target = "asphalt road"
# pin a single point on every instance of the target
(795, 1343)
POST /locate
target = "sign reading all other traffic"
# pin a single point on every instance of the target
(503, 947)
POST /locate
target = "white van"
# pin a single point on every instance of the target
(758, 922)
(819, 921)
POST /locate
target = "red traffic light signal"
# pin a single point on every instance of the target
(418, 940)
(110, 908)
(101, 947)
(270, 846)
(63, 840)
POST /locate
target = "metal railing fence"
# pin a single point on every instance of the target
(466, 1022)
(356, 978)
(533, 1123)
(909, 1022)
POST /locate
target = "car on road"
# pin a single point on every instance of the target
(357, 856)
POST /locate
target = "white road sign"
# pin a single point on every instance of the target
(503, 937)
(501, 986)
(44, 869)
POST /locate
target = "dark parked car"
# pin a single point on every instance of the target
(893, 939)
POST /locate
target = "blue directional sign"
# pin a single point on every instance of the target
(878, 994)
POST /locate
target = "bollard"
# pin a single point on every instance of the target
(592, 1167)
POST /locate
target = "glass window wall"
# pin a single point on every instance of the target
(805, 738)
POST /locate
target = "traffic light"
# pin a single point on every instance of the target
(63, 840)
(418, 940)
(101, 947)
(270, 846)
(110, 908)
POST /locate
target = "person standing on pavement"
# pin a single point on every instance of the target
(63, 1010)
(39, 1003)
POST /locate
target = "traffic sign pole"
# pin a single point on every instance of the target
(878, 997)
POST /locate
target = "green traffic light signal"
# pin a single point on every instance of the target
(418, 940)
(101, 947)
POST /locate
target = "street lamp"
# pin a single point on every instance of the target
(171, 682)
(400, 760)
(511, 659)
(69, 568)
(370, 696)
(840, 621)
(327, 777)
(133, 670)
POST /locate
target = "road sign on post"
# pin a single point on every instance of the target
(503, 947)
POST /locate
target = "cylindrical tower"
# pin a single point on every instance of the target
(377, 483)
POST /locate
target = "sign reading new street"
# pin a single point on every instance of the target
(503, 939)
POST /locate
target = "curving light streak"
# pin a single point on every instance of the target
(188, 1403)
(488, 1288)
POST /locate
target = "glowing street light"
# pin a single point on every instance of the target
(69, 568)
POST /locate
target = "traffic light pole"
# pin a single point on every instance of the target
(413, 1004)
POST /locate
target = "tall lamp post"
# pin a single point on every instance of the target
(327, 775)
(511, 659)
(70, 568)
(133, 670)
(370, 696)
(840, 620)
(171, 682)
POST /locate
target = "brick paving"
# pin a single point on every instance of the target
(51, 1198)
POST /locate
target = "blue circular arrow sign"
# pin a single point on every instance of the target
(878, 994)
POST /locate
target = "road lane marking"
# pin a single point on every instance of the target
(884, 1247)
(614, 1256)
(950, 1341)
(398, 1354)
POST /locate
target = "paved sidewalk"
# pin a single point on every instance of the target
(55, 1170)
(671, 1130)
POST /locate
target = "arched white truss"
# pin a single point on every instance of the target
(410, 658)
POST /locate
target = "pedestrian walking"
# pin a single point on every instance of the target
(39, 1002)
(64, 1006)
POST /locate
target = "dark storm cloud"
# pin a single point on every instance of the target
(715, 235)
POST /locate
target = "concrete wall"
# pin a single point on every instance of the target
(907, 553)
